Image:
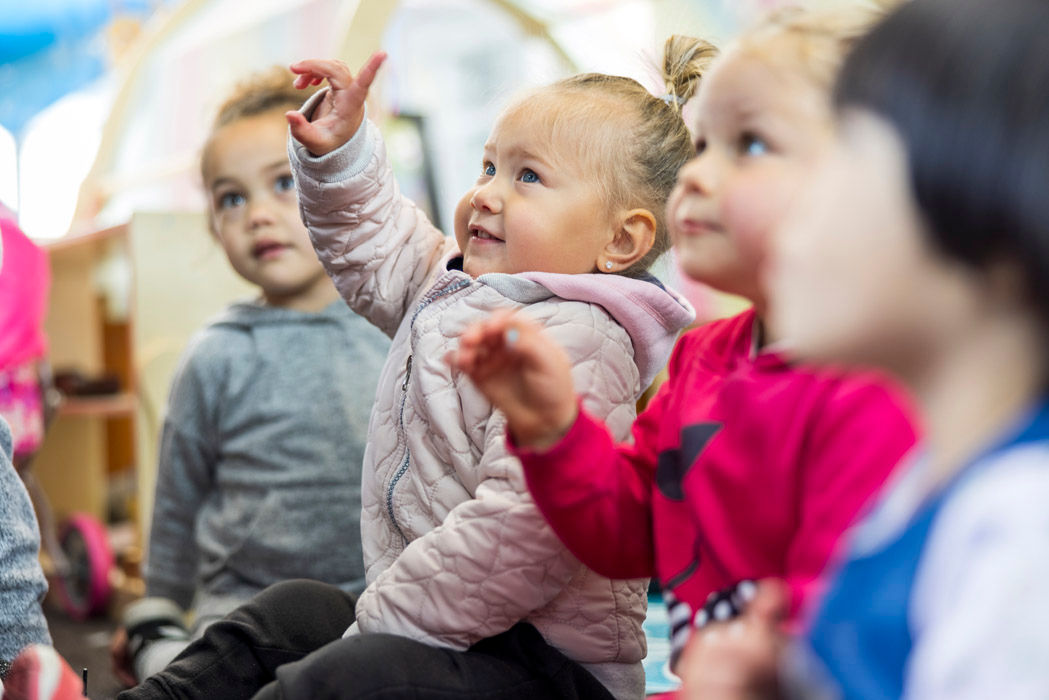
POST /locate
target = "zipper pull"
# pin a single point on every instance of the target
(407, 374)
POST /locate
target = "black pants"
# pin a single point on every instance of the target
(286, 643)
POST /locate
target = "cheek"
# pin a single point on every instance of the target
(461, 219)
(239, 257)
(827, 291)
(673, 202)
(752, 206)
(805, 297)
(296, 229)
(524, 252)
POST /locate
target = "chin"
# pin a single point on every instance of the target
(476, 268)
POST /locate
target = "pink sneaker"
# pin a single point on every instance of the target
(39, 673)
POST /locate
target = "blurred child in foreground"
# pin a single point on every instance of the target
(923, 248)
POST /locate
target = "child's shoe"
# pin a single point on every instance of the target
(148, 620)
(39, 673)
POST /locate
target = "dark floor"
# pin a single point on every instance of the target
(85, 645)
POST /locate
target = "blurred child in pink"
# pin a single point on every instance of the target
(23, 300)
(24, 371)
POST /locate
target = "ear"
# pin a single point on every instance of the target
(634, 237)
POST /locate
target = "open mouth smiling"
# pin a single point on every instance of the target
(478, 233)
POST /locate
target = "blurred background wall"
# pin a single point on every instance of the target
(105, 102)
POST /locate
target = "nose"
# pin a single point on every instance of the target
(700, 175)
(260, 212)
(487, 198)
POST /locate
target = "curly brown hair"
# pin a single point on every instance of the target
(258, 93)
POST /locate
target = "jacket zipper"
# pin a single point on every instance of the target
(431, 296)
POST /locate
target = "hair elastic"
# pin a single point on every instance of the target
(670, 97)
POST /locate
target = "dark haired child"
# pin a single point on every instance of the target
(923, 248)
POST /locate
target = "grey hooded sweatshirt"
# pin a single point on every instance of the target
(260, 458)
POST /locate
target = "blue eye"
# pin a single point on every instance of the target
(752, 145)
(231, 199)
(488, 169)
(529, 176)
(284, 183)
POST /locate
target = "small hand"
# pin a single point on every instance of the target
(120, 658)
(338, 116)
(738, 659)
(523, 373)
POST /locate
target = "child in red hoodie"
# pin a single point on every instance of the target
(744, 465)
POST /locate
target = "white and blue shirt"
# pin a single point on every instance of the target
(945, 595)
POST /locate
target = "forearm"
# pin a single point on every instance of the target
(595, 499)
(171, 563)
(378, 246)
(172, 555)
(595, 495)
(182, 486)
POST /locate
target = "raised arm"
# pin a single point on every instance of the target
(378, 246)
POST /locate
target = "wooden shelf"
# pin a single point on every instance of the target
(80, 239)
(100, 452)
(116, 405)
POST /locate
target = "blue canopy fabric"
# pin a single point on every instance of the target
(49, 48)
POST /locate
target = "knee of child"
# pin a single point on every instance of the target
(368, 663)
(303, 603)
(286, 593)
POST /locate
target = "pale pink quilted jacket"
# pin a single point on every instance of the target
(454, 548)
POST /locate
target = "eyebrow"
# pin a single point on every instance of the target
(279, 164)
(746, 109)
(735, 112)
(221, 182)
(519, 152)
(744, 106)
